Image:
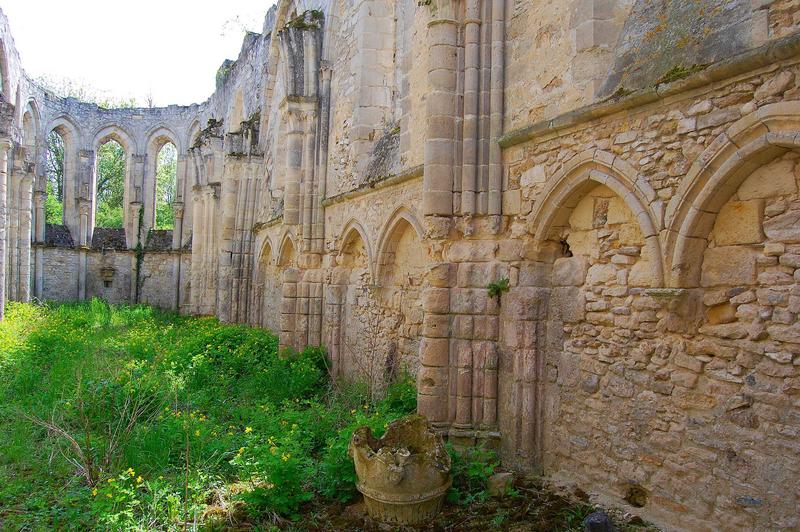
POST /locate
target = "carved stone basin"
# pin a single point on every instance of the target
(404, 475)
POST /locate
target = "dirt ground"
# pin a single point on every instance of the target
(531, 507)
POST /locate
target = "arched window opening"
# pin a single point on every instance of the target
(54, 207)
(166, 185)
(111, 167)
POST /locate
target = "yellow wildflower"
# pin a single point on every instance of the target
(94, 492)
(285, 457)
(248, 430)
(241, 450)
(197, 433)
(108, 495)
(111, 481)
(131, 472)
(139, 479)
(273, 450)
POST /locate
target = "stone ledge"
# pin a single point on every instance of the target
(763, 56)
(377, 184)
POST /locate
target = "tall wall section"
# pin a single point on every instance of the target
(625, 172)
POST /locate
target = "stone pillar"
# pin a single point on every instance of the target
(143, 190)
(25, 237)
(309, 193)
(177, 244)
(433, 379)
(84, 244)
(314, 315)
(294, 168)
(183, 186)
(322, 166)
(496, 97)
(441, 106)
(289, 308)
(197, 250)
(5, 145)
(12, 217)
(469, 173)
(335, 294)
(40, 200)
(86, 191)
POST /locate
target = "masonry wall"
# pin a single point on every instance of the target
(623, 173)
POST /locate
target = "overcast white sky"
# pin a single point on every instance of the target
(170, 48)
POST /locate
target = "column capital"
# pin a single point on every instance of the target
(5, 144)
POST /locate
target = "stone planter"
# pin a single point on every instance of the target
(404, 475)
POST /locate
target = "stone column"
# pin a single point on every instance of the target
(86, 191)
(335, 294)
(469, 173)
(322, 164)
(177, 244)
(25, 237)
(289, 308)
(441, 101)
(196, 273)
(309, 195)
(12, 216)
(84, 244)
(435, 354)
(497, 101)
(5, 145)
(40, 199)
(294, 168)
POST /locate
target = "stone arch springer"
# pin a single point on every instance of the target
(266, 245)
(160, 135)
(287, 242)
(400, 215)
(65, 124)
(117, 133)
(354, 226)
(716, 175)
(577, 177)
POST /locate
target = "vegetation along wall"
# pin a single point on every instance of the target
(623, 174)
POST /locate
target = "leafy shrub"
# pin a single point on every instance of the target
(471, 470)
(199, 411)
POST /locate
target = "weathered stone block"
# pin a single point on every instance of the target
(436, 300)
(776, 179)
(724, 313)
(567, 304)
(739, 222)
(472, 251)
(784, 333)
(601, 274)
(731, 266)
(570, 271)
(436, 326)
(434, 352)
(784, 227)
(777, 85)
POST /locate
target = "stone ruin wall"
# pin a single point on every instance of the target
(366, 168)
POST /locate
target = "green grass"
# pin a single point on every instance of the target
(128, 418)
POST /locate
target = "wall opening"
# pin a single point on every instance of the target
(111, 166)
(54, 172)
(166, 185)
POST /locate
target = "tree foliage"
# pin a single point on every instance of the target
(111, 165)
(54, 171)
(111, 158)
(166, 175)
